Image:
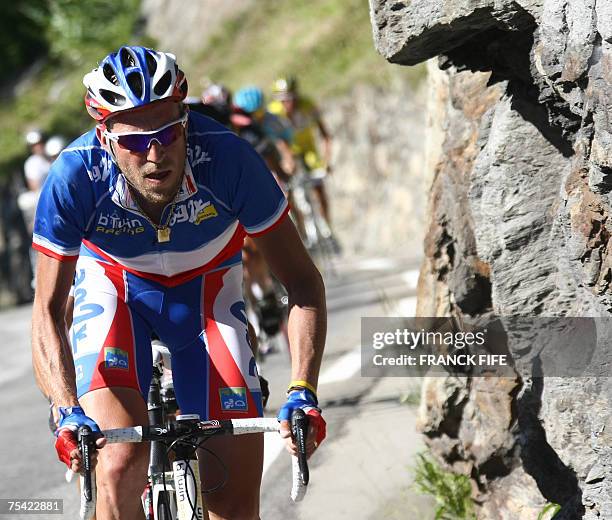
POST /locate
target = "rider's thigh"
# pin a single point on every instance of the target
(122, 468)
(238, 499)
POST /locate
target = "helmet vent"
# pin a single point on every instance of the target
(151, 64)
(112, 97)
(110, 75)
(134, 80)
(163, 84)
(127, 60)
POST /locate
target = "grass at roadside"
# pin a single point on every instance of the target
(326, 43)
(452, 492)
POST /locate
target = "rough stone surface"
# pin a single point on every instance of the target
(378, 178)
(518, 225)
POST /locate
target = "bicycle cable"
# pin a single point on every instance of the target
(184, 439)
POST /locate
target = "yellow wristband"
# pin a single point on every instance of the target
(303, 384)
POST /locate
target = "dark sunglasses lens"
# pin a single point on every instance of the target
(141, 142)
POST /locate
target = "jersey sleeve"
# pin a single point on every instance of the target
(65, 206)
(256, 198)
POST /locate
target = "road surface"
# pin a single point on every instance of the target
(362, 470)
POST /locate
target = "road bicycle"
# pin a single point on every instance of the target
(312, 225)
(173, 490)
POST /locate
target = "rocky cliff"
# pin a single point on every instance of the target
(378, 187)
(517, 225)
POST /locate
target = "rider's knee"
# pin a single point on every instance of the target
(124, 468)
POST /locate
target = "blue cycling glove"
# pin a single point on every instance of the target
(307, 401)
(71, 419)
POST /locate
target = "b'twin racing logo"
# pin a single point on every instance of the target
(115, 225)
(187, 479)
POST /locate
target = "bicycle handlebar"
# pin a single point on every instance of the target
(201, 429)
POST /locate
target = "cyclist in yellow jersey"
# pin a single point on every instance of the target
(305, 121)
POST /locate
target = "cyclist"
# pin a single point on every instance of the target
(147, 213)
(270, 137)
(216, 103)
(251, 114)
(305, 120)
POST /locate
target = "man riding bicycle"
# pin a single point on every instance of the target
(305, 120)
(145, 214)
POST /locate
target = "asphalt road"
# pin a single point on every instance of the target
(361, 471)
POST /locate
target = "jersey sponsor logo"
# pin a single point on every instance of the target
(102, 171)
(233, 399)
(194, 211)
(208, 212)
(115, 357)
(197, 155)
(112, 223)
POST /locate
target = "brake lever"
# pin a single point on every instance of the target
(299, 430)
(87, 442)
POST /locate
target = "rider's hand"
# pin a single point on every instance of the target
(307, 401)
(66, 445)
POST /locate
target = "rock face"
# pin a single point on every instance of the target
(517, 225)
(378, 186)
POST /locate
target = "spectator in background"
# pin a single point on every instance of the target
(54, 146)
(37, 164)
(35, 169)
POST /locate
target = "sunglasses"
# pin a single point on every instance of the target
(141, 141)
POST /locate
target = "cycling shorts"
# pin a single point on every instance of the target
(202, 321)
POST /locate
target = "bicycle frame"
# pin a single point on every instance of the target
(317, 234)
(194, 429)
(177, 494)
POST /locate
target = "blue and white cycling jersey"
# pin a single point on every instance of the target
(188, 290)
(86, 209)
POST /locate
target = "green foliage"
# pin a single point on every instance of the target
(411, 397)
(76, 36)
(22, 39)
(452, 492)
(549, 511)
(78, 30)
(326, 43)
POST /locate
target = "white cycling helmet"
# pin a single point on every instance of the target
(130, 78)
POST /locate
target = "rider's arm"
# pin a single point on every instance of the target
(327, 141)
(51, 352)
(291, 264)
(287, 161)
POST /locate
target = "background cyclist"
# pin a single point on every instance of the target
(270, 137)
(305, 121)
